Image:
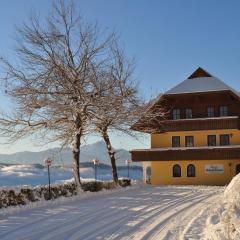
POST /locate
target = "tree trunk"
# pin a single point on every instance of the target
(111, 154)
(76, 152)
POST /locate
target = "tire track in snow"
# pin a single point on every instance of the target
(113, 225)
(61, 228)
(43, 212)
(73, 225)
(145, 212)
(170, 228)
(162, 228)
(153, 226)
(33, 224)
(194, 227)
(40, 210)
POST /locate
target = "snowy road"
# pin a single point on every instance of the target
(139, 212)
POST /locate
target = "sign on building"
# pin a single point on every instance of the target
(214, 168)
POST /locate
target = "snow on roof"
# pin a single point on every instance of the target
(201, 81)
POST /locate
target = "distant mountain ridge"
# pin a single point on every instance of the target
(64, 157)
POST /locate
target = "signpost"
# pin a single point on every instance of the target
(96, 163)
(48, 163)
(128, 163)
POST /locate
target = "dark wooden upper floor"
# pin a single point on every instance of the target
(202, 104)
(192, 111)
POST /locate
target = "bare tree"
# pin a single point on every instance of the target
(153, 115)
(52, 80)
(117, 107)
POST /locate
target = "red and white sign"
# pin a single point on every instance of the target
(95, 161)
(48, 162)
(127, 162)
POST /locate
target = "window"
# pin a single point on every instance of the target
(223, 111)
(189, 141)
(176, 114)
(191, 170)
(188, 113)
(210, 112)
(176, 141)
(224, 140)
(212, 140)
(176, 171)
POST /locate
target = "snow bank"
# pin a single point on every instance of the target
(223, 222)
(232, 192)
(42, 203)
(22, 196)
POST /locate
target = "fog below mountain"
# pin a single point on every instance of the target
(27, 168)
(36, 174)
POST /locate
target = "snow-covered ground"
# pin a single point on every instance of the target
(36, 174)
(223, 222)
(137, 212)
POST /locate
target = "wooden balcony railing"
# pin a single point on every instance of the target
(195, 153)
(195, 124)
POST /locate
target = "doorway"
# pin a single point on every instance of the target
(237, 169)
(148, 175)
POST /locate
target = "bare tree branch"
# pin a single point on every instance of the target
(54, 78)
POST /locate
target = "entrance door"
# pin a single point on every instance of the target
(237, 169)
(148, 175)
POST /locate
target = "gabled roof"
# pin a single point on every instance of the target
(201, 81)
(200, 72)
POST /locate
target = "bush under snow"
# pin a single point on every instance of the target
(224, 220)
(23, 195)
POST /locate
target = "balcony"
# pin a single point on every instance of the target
(194, 124)
(193, 153)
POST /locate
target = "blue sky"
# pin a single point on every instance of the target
(169, 40)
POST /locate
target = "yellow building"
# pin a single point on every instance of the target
(195, 133)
